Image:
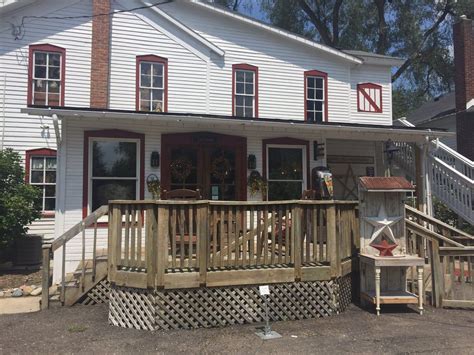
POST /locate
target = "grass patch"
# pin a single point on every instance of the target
(77, 328)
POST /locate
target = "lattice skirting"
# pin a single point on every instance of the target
(97, 294)
(221, 306)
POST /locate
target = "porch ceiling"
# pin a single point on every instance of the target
(332, 130)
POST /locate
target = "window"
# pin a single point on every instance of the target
(369, 97)
(152, 84)
(315, 96)
(46, 75)
(114, 167)
(41, 173)
(244, 90)
(285, 171)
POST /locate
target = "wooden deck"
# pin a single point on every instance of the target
(189, 244)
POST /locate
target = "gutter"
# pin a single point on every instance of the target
(414, 134)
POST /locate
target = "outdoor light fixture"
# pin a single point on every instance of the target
(155, 159)
(390, 150)
(252, 162)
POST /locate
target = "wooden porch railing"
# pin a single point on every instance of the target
(61, 242)
(185, 244)
(449, 252)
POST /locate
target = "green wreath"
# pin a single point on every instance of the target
(220, 168)
(181, 168)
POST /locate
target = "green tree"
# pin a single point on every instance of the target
(18, 201)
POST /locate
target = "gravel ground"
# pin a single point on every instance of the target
(84, 329)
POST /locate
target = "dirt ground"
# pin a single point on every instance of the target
(84, 329)
(11, 279)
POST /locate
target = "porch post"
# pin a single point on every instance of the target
(420, 171)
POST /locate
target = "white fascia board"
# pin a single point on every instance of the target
(330, 131)
(140, 14)
(185, 28)
(280, 32)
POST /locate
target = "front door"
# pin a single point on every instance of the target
(212, 163)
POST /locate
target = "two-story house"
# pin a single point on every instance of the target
(102, 96)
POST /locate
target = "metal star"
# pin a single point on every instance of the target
(384, 248)
(382, 224)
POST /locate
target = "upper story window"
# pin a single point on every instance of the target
(46, 75)
(369, 97)
(244, 90)
(152, 84)
(41, 173)
(316, 107)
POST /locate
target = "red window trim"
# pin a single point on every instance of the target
(285, 141)
(45, 48)
(247, 67)
(110, 133)
(155, 59)
(326, 98)
(369, 86)
(41, 152)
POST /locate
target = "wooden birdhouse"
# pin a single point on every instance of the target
(383, 247)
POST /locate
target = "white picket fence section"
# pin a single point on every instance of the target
(451, 175)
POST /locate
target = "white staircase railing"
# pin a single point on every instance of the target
(451, 175)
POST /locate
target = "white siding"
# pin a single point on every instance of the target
(377, 75)
(23, 132)
(281, 65)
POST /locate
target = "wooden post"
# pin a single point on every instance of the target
(437, 274)
(203, 252)
(297, 226)
(151, 244)
(45, 277)
(114, 218)
(420, 178)
(333, 247)
(162, 244)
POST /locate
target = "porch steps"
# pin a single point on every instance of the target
(76, 289)
(451, 174)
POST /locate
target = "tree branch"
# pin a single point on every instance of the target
(335, 21)
(417, 54)
(382, 40)
(318, 23)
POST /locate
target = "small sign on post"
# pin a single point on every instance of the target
(267, 332)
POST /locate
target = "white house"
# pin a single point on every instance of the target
(186, 92)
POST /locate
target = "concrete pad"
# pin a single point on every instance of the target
(13, 305)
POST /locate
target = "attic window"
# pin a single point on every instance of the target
(369, 97)
(244, 90)
(46, 75)
(152, 84)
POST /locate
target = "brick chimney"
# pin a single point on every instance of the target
(100, 54)
(463, 33)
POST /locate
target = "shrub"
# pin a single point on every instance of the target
(18, 201)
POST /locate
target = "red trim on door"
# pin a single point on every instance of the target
(109, 133)
(248, 67)
(41, 152)
(285, 141)
(360, 90)
(155, 59)
(169, 141)
(45, 48)
(326, 98)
